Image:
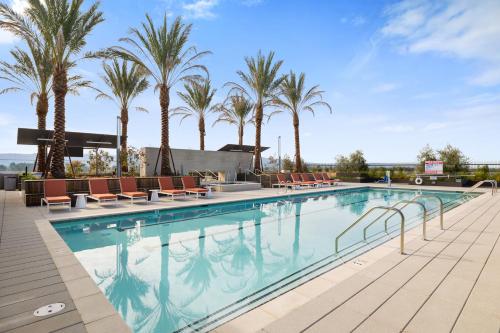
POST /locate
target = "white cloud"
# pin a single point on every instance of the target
(384, 87)
(201, 8)
(465, 29)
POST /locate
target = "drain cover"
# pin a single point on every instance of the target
(49, 309)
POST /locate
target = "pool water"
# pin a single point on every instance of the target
(191, 269)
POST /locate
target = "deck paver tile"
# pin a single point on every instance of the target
(94, 307)
(109, 324)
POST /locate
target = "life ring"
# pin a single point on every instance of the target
(419, 181)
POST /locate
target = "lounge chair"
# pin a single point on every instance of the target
(99, 191)
(128, 188)
(296, 179)
(167, 188)
(282, 182)
(328, 179)
(319, 178)
(307, 180)
(55, 194)
(190, 186)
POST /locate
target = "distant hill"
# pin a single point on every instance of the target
(6, 159)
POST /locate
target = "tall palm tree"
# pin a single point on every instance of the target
(295, 99)
(236, 110)
(198, 98)
(31, 72)
(64, 27)
(125, 83)
(164, 53)
(262, 83)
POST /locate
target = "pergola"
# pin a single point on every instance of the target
(76, 142)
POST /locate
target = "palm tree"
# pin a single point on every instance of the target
(164, 54)
(295, 99)
(125, 83)
(198, 98)
(262, 82)
(236, 110)
(64, 27)
(32, 73)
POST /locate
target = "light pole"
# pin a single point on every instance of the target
(118, 142)
(279, 154)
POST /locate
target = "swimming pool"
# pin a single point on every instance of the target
(191, 269)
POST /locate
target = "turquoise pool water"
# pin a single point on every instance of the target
(191, 269)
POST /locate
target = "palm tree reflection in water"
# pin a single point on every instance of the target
(126, 289)
(165, 316)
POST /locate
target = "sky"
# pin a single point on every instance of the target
(398, 75)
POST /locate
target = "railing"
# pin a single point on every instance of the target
(494, 186)
(216, 176)
(441, 206)
(396, 210)
(407, 202)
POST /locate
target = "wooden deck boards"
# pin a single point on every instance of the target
(28, 276)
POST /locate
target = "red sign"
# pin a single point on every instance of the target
(434, 167)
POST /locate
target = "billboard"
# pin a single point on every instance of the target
(434, 167)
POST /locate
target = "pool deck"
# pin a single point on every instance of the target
(448, 283)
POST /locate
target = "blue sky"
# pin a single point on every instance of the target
(398, 74)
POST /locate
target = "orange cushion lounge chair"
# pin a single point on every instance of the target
(307, 180)
(328, 179)
(55, 193)
(99, 191)
(128, 188)
(167, 188)
(282, 182)
(190, 186)
(319, 178)
(296, 179)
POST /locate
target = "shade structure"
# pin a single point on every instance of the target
(242, 148)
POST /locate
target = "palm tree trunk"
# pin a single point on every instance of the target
(165, 146)
(201, 128)
(240, 134)
(42, 108)
(298, 161)
(60, 88)
(259, 112)
(124, 153)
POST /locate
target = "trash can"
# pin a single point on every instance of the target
(10, 183)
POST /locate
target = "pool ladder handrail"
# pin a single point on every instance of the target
(494, 186)
(386, 208)
(406, 202)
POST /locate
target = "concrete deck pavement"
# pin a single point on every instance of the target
(447, 284)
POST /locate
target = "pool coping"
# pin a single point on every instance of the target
(99, 315)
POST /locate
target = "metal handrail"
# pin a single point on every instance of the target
(212, 173)
(494, 186)
(409, 202)
(398, 211)
(441, 206)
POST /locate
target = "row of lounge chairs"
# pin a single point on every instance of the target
(305, 180)
(55, 190)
